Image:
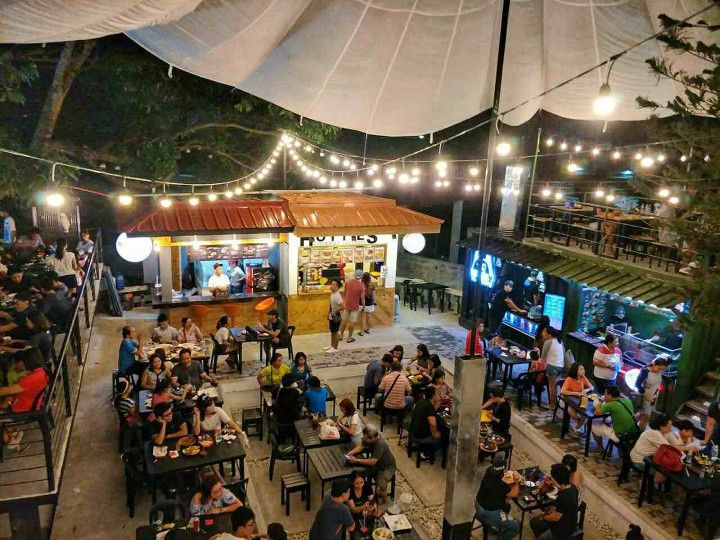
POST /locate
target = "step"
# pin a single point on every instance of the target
(706, 390)
(699, 405)
(712, 376)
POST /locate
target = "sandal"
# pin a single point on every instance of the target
(351, 340)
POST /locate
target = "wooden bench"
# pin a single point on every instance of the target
(253, 417)
(293, 483)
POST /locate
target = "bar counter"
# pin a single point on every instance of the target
(206, 310)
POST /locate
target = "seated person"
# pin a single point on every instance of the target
(190, 373)
(396, 388)
(130, 353)
(442, 389)
(54, 305)
(381, 459)
(576, 384)
(271, 375)
(154, 374)
(218, 283)
(499, 411)
(189, 332)
(559, 520)
(166, 425)
(349, 422)
(16, 327)
(362, 503)
(39, 337)
(213, 498)
(164, 333)
(424, 427)
(686, 435)
(374, 373)
(124, 403)
(161, 395)
(576, 477)
(301, 370)
(287, 401)
(59, 286)
(421, 362)
(16, 281)
(277, 328)
(210, 418)
(621, 413)
(660, 433)
(316, 396)
(225, 340)
(498, 486)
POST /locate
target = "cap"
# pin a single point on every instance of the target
(217, 264)
(498, 462)
(358, 274)
(509, 283)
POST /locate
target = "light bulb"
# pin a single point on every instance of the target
(604, 104)
(238, 191)
(414, 179)
(674, 200)
(193, 201)
(125, 199)
(572, 167)
(549, 141)
(212, 197)
(596, 151)
(438, 183)
(334, 159)
(404, 178)
(474, 171)
(664, 192)
(660, 158)
(54, 199)
(616, 154)
(415, 171)
(342, 184)
(229, 194)
(706, 158)
(503, 149)
(390, 171)
(468, 187)
(377, 183)
(253, 181)
(442, 173)
(578, 147)
(563, 145)
(166, 202)
(559, 195)
(247, 186)
(476, 187)
(359, 185)
(546, 192)
(610, 197)
(647, 161)
(322, 154)
(346, 163)
(638, 156)
(322, 180)
(441, 165)
(445, 183)
(504, 190)
(683, 158)
(353, 166)
(599, 193)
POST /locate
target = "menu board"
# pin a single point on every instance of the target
(592, 308)
(223, 253)
(317, 265)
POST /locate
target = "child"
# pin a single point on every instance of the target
(316, 397)
(124, 404)
(177, 391)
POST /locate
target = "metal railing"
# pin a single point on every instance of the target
(606, 232)
(60, 397)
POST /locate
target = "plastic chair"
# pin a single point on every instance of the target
(200, 313)
(135, 477)
(525, 383)
(289, 347)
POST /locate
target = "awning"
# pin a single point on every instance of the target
(221, 217)
(623, 281)
(339, 214)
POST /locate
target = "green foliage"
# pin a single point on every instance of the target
(16, 75)
(696, 181)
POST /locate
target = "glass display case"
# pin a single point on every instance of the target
(319, 265)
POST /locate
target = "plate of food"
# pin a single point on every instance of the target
(188, 440)
(484, 416)
(495, 439)
(702, 460)
(160, 451)
(383, 533)
(193, 450)
(488, 447)
(206, 441)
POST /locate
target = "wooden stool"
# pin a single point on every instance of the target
(252, 417)
(292, 483)
(367, 403)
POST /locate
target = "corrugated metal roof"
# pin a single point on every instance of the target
(636, 285)
(218, 217)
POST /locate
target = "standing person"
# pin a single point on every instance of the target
(648, 384)
(65, 264)
(381, 460)
(480, 343)
(333, 518)
(189, 331)
(500, 304)
(335, 316)
(559, 520)
(554, 357)
(712, 424)
(542, 325)
(218, 283)
(607, 361)
(236, 276)
(369, 307)
(354, 304)
(493, 498)
(84, 248)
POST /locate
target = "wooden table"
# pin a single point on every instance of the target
(526, 501)
(210, 525)
(308, 438)
(429, 288)
(217, 453)
(261, 339)
(172, 352)
(688, 480)
(508, 362)
(588, 412)
(330, 463)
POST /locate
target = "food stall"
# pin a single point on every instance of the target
(290, 245)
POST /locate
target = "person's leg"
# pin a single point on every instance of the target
(540, 527)
(383, 479)
(552, 390)
(351, 319)
(343, 322)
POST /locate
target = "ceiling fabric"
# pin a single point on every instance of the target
(385, 67)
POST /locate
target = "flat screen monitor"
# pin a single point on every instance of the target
(483, 271)
(554, 308)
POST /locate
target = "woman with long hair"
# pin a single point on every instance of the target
(65, 264)
(370, 303)
(211, 418)
(576, 384)
(189, 331)
(213, 498)
(224, 339)
(301, 370)
(349, 422)
(154, 374)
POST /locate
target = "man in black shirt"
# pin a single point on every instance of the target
(16, 326)
(287, 406)
(189, 373)
(560, 520)
(499, 411)
(492, 500)
(423, 422)
(166, 424)
(499, 305)
(54, 305)
(16, 281)
(712, 424)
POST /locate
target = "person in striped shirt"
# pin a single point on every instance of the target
(397, 388)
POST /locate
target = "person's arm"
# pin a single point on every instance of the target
(552, 515)
(179, 433)
(208, 378)
(599, 408)
(599, 360)
(709, 428)
(13, 390)
(196, 421)
(179, 397)
(358, 448)
(8, 328)
(261, 376)
(432, 423)
(144, 383)
(368, 462)
(159, 437)
(231, 507)
(513, 307)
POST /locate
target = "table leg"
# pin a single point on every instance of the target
(588, 430)
(505, 377)
(240, 344)
(522, 523)
(683, 514)
(508, 456)
(643, 485)
(242, 468)
(565, 422)
(429, 297)
(442, 301)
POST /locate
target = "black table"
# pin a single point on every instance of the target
(217, 453)
(429, 288)
(309, 438)
(526, 501)
(688, 480)
(210, 525)
(508, 362)
(588, 412)
(330, 463)
(262, 339)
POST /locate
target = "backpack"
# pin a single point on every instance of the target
(668, 458)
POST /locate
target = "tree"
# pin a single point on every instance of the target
(696, 179)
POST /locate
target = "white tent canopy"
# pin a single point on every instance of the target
(386, 67)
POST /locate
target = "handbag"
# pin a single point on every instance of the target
(380, 399)
(668, 458)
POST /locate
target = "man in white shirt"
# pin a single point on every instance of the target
(243, 526)
(218, 283)
(9, 231)
(237, 277)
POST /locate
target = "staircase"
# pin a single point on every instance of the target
(697, 406)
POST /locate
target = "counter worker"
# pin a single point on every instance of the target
(619, 317)
(236, 276)
(670, 337)
(218, 283)
(499, 305)
(531, 287)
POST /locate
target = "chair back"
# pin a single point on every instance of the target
(581, 518)
(170, 510)
(239, 489)
(291, 330)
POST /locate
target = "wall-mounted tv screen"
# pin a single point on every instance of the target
(483, 270)
(554, 308)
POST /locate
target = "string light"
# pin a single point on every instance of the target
(610, 197)
(377, 183)
(604, 104)
(166, 202)
(212, 197)
(616, 154)
(404, 178)
(468, 187)
(54, 199)
(683, 158)
(342, 184)
(674, 200)
(333, 183)
(549, 141)
(546, 192)
(647, 162)
(572, 167)
(563, 146)
(474, 171)
(247, 186)
(663, 192)
(706, 158)
(238, 191)
(638, 156)
(599, 192)
(359, 185)
(596, 151)
(441, 165)
(660, 158)
(415, 171)
(322, 180)
(503, 149)
(578, 148)
(229, 194)
(125, 199)
(193, 201)
(559, 195)
(414, 179)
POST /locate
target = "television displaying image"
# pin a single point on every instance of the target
(483, 270)
(554, 308)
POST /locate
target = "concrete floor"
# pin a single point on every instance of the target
(92, 501)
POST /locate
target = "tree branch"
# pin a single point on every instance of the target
(213, 125)
(227, 156)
